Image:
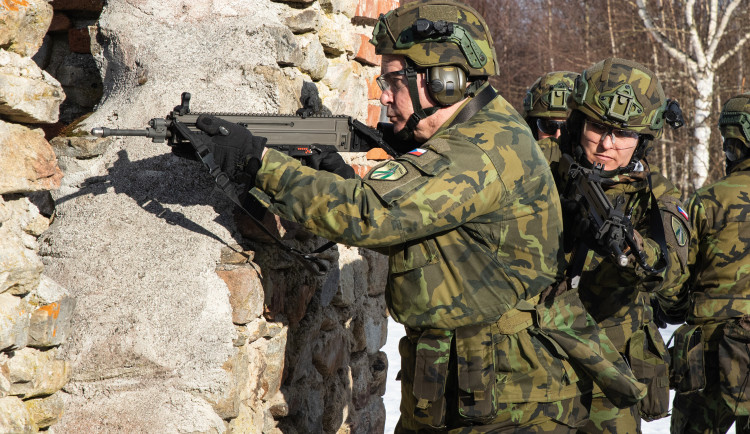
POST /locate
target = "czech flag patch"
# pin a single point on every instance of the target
(683, 213)
(417, 152)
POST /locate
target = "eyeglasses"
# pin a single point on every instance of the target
(616, 134)
(549, 126)
(391, 80)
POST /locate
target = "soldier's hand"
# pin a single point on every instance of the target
(329, 161)
(236, 150)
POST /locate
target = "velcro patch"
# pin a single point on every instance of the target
(391, 171)
(680, 234)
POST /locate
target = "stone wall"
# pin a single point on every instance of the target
(134, 298)
(35, 312)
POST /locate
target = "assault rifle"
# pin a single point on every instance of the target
(609, 227)
(297, 135)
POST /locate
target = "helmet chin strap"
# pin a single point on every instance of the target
(407, 133)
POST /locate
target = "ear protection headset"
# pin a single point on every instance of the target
(446, 84)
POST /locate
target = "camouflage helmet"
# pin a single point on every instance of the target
(437, 33)
(622, 94)
(548, 96)
(734, 123)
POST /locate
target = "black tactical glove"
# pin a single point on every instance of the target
(330, 161)
(235, 149)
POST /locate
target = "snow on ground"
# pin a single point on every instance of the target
(392, 395)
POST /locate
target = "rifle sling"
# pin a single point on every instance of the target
(657, 227)
(474, 105)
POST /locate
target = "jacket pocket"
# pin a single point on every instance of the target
(688, 373)
(649, 362)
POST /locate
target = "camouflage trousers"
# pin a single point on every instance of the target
(705, 411)
(712, 378)
(453, 411)
(605, 417)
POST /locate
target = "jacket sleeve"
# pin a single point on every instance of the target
(404, 199)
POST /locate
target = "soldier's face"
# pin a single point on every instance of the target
(395, 97)
(608, 146)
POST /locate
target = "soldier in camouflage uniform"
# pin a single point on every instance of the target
(618, 108)
(470, 219)
(545, 106)
(711, 355)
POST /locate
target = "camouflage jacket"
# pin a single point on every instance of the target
(718, 282)
(618, 298)
(470, 220)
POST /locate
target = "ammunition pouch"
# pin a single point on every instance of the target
(734, 365)
(688, 371)
(649, 362)
(425, 359)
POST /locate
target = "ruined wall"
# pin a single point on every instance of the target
(167, 311)
(35, 311)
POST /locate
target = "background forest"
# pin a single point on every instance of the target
(698, 49)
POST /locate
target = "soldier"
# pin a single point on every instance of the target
(618, 109)
(711, 365)
(470, 219)
(545, 109)
(545, 106)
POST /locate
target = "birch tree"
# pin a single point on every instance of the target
(704, 56)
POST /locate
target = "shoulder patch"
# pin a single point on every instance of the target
(390, 171)
(680, 234)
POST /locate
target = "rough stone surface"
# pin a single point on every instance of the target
(36, 373)
(45, 411)
(14, 322)
(302, 22)
(22, 30)
(50, 325)
(27, 161)
(245, 292)
(15, 416)
(27, 93)
(184, 319)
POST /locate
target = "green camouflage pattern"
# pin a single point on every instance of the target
(605, 417)
(393, 35)
(623, 94)
(714, 393)
(716, 296)
(548, 96)
(618, 298)
(471, 226)
(717, 284)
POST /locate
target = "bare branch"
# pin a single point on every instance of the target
(673, 51)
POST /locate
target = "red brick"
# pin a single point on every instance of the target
(384, 6)
(79, 40)
(373, 91)
(366, 54)
(60, 22)
(377, 154)
(373, 115)
(367, 9)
